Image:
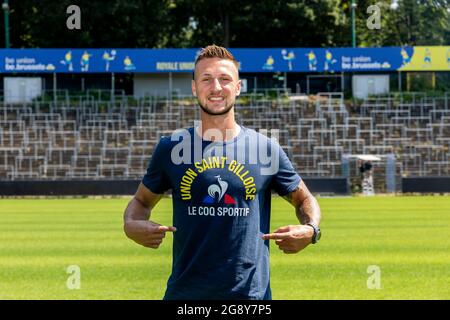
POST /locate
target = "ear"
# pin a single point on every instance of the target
(238, 88)
(194, 89)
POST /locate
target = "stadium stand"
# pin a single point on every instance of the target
(84, 137)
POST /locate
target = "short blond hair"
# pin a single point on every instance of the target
(214, 51)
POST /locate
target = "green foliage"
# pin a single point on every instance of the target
(233, 23)
(104, 24)
(265, 23)
(414, 23)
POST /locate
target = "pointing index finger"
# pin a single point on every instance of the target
(166, 228)
(275, 236)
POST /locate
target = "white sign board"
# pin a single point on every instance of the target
(243, 85)
(21, 89)
(366, 85)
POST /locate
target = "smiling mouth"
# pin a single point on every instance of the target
(216, 99)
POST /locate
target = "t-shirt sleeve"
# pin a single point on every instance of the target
(286, 179)
(156, 178)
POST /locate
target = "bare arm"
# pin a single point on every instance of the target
(306, 206)
(294, 238)
(139, 208)
(137, 226)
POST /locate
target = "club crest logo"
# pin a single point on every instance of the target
(217, 192)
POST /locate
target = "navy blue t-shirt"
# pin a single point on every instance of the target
(221, 194)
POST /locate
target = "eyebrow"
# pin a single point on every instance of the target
(209, 75)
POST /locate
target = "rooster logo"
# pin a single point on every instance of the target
(218, 191)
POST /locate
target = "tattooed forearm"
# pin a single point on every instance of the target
(308, 211)
(306, 206)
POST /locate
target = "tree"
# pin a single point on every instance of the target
(414, 22)
(232, 23)
(265, 23)
(118, 23)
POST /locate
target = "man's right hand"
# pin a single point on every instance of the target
(137, 225)
(147, 233)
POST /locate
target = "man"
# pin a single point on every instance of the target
(365, 168)
(221, 200)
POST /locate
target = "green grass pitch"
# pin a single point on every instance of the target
(407, 238)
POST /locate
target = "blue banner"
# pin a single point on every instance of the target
(251, 60)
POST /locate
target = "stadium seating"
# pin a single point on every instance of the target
(85, 137)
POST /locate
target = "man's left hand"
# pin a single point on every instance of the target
(292, 238)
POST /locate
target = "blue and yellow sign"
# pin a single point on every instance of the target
(309, 60)
(428, 59)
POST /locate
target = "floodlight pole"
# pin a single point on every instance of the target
(5, 7)
(353, 7)
(113, 86)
